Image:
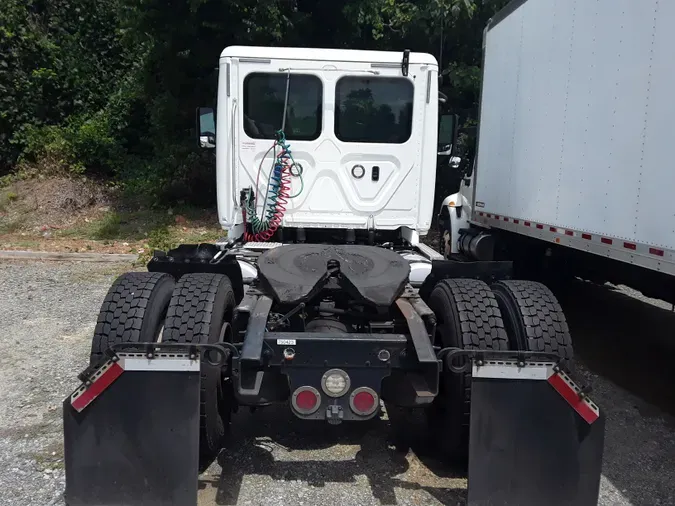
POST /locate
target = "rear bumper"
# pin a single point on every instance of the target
(388, 364)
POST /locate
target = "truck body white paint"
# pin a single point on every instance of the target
(577, 127)
(332, 196)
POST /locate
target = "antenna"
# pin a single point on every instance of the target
(440, 51)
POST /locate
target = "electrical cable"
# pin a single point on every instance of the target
(277, 195)
(278, 188)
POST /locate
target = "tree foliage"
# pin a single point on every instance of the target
(110, 88)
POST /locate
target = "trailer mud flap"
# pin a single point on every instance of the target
(534, 439)
(131, 436)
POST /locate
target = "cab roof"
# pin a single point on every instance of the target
(318, 54)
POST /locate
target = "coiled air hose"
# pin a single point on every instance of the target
(277, 195)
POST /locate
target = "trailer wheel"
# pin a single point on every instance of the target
(200, 305)
(533, 318)
(467, 317)
(133, 311)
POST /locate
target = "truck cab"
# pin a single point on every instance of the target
(361, 126)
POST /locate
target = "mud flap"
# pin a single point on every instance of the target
(131, 437)
(534, 439)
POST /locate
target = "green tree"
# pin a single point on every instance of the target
(110, 88)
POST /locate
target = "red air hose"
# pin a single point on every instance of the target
(283, 166)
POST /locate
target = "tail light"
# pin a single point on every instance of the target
(364, 401)
(306, 400)
(335, 383)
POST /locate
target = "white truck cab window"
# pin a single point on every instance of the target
(264, 96)
(374, 109)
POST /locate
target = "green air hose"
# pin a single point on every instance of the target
(277, 194)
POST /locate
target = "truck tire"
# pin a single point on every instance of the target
(133, 311)
(200, 305)
(533, 318)
(467, 317)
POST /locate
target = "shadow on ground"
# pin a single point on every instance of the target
(273, 443)
(624, 339)
(619, 340)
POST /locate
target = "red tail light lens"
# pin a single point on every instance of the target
(364, 401)
(306, 400)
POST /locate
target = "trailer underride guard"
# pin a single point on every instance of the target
(337, 320)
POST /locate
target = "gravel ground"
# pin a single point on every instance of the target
(274, 458)
(47, 316)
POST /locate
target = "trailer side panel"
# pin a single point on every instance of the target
(576, 125)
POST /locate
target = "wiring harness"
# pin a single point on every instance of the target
(277, 195)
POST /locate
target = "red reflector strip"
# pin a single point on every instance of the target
(564, 386)
(496, 216)
(481, 214)
(107, 377)
(553, 229)
(569, 232)
(516, 221)
(657, 252)
(528, 224)
(489, 215)
(586, 236)
(630, 245)
(604, 240)
(505, 218)
(540, 227)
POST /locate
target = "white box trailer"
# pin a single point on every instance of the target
(575, 138)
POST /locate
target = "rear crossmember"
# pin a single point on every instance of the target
(483, 364)
(396, 366)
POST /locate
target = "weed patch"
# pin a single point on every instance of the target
(108, 228)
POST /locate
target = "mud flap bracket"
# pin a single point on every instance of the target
(131, 432)
(535, 436)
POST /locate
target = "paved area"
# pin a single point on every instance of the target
(625, 346)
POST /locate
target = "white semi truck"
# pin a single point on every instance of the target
(574, 174)
(322, 298)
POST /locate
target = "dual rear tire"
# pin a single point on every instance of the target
(517, 315)
(510, 315)
(133, 311)
(533, 318)
(143, 307)
(201, 304)
(467, 317)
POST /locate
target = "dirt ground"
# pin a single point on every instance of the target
(624, 345)
(77, 215)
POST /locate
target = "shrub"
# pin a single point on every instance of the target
(108, 227)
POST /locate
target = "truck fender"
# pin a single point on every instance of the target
(453, 216)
